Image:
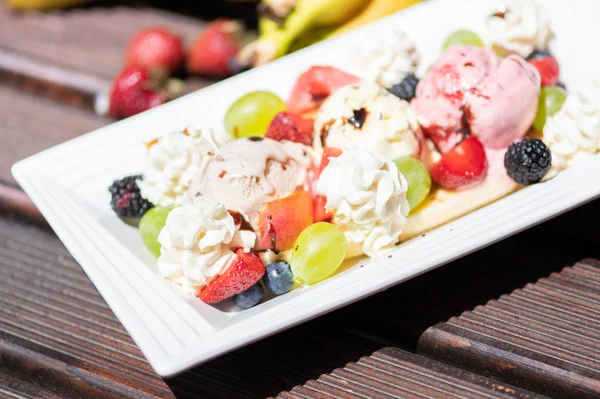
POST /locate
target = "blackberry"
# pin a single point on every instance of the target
(527, 161)
(127, 200)
(406, 89)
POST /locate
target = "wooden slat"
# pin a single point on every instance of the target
(54, 325)
(545, 336)
(90, 41)
(393, 373)
(72, 56)
(29, 124)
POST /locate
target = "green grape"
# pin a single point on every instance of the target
(150, 226)
(551, 100)
(462, 37)
(318, 252)
(251, 114)
(417, 176)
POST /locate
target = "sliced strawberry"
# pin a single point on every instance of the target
(215, 47)
(314, 85)
(287, 126)
(320, 214)
(548, 68)
(156, 49)
(130, 94)
(328, 152)
(463, 166)
(319, 202)
(245, 270)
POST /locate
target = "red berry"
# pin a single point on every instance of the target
(214, 48)
(130, 95)
(548, 68)
(245, 270)
(315, 84)
(156, 49)
(320, 214)
(464, 165)
(287, 126)
(328, 152)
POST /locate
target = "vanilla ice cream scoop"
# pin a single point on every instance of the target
(246, 173)
(368, 116)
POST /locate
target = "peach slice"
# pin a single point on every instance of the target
(281, 221)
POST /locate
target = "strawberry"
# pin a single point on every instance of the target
(156, 49)
(245, 270)
(464, 165)
(130, 93)
(328, 152)
(319, 202)
(315, 84)
(547, 66)
(287, 126)
(215, 47)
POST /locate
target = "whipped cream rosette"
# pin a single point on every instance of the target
(573, 133)
(367, 196)
(196, 240)
(386, 59)
(173, 161)
(521, 28)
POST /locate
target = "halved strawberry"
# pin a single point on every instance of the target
(314, 85)
(463, 166)
(328, 152)
(319, 202)
(245, 270)
(288, 126)
(547, 66)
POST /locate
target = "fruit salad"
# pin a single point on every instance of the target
(355, 162)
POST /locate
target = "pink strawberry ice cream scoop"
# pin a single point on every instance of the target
(471, 90)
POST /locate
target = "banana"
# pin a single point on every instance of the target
(42, 4)
(305, 15)
(311, 37)
(374, 10)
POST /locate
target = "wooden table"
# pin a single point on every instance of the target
(58, 338)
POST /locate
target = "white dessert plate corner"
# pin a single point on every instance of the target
(69, 185)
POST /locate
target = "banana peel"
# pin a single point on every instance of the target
(43, 5)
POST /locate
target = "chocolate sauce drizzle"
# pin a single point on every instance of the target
(501, 12)
(465, 128)
(358, 118)
(238, 219)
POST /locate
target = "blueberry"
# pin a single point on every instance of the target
(278, 278)
(539, 54)
(252, 296)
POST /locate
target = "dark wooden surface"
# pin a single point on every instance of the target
(545, 336)
(392, 373)
(48, 303)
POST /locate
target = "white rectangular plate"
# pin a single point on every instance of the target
(69, 185)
